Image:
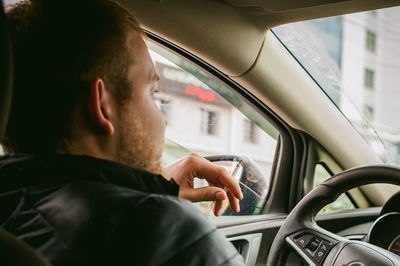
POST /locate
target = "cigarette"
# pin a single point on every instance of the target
(234, 171)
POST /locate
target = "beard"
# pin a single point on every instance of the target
(138, 148)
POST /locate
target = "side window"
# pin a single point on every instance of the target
(342, 203)
(207, 117)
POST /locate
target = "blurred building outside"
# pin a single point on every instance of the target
(364, 47)
(200, 120)
(371, 75)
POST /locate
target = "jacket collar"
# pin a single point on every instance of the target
(22, 170)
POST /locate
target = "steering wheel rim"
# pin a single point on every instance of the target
(301, 222)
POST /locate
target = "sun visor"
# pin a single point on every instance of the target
(189, 23)
(282, 5)
(274, 13)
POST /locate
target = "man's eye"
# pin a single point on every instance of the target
(158, 102)
(162, 104)
(154, 92)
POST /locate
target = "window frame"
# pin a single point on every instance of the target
(283, 166)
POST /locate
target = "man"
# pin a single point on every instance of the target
(84, 186)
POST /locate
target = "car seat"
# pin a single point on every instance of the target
(13, 251)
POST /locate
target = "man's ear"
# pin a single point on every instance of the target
(100, 107)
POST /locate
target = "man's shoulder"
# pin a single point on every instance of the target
(166, 215)
(17, 171)
(126, 203)
(171, 208)
(170, 231)
(101, 221)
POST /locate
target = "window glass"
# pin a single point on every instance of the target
(342, 203)
(355, 59)
(208, 118)
(371, 41)
(369, 78)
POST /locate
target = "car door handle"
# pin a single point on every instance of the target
(248, 246)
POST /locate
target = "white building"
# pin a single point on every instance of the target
(202, 121)
(371, 74)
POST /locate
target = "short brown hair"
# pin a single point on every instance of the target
(60, 47)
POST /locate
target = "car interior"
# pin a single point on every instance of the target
(230, 43)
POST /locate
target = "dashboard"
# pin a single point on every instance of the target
(384, 231)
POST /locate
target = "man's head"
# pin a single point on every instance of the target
(83, 83)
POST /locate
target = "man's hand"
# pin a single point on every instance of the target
(186, 169)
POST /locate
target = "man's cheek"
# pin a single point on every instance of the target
(157, 116)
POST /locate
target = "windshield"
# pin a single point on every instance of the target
(355, 59)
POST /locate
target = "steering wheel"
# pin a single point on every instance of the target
(318, 246)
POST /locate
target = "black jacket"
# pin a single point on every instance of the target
(78, 210)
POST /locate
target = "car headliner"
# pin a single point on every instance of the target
(243, 49)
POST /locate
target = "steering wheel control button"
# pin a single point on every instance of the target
(321, 251)
(303, 240)
(314, 244)
(325, 246)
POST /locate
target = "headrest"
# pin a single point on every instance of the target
(6, 72)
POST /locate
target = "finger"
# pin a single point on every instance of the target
(202, 194)
(217, 175)
(233, 202)
(218, 207)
